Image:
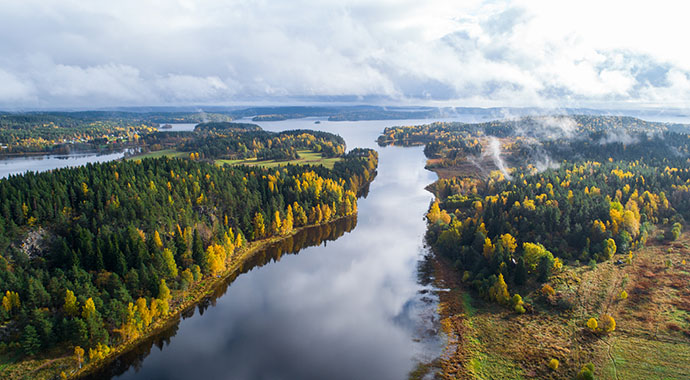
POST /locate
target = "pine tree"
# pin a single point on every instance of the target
(31, 343)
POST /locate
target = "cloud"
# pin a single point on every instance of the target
(485, 53)
(12, 89)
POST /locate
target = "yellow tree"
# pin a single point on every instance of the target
(592, 324)
(169, 260)
(130, 328)
(488, 249)
(89, 309)
(327, 213)
(216, 259)
(499, 291)
(275, 225)
(300, 216)
(157, 239)
(288, 222)
(164, 296)
(79, 355)
(434, 213)
(144, 312)
(508, 243)
(259, 227)
(10, 301)
(71, 307)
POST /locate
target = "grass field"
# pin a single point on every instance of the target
(651, 339)
(305, 158)
(157, 154)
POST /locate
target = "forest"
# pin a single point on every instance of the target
(612, 179)
(94, 255)
(62, 132)
(526, 208)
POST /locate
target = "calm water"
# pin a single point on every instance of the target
(349, 304)
(177, 127)
(352, 308)
(21, 165)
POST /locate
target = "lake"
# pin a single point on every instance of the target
(19, 165)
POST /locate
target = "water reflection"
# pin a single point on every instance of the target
(351, 309)
(41, 163)
(309, 237)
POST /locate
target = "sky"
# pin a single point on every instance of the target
(599, 54)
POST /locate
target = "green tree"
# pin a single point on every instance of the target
(31, 343)
(198, 253)
(170, 265)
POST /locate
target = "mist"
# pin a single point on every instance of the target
(494, 150)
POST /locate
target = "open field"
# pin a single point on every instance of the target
(306, 158)
(651, 339)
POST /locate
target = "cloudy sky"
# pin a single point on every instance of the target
(76, 53)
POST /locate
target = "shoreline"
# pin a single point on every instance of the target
(202, 290)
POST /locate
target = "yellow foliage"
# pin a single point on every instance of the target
(592, 324)
(89, 309)
(553, 364)
(434, 213)
(488, 249)
(547, 290)
(508, 243)
(157, 239)
(10, 301)
(499, 291)
(79, 355)
(71, 307)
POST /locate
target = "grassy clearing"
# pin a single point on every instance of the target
(651, 340)
(157, 154)
(305, 158)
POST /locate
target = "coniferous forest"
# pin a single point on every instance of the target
(94, 255)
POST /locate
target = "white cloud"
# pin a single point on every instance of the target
(523, 52)
(12, 89)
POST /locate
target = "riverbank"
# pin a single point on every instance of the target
(488, 341)
(52, 364)
(202, 290)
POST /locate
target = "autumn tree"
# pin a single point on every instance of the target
(508, 243)
(276, 223)
(488, 249)
(259, 227)
(499, 291)
(79, 355)
(609, 249)
(169, 261)
(164, 296)
(71, 307)
(10, 301)
(89, 309)
(434, 213)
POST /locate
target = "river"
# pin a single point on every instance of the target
(350, 308)
(350, 304)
